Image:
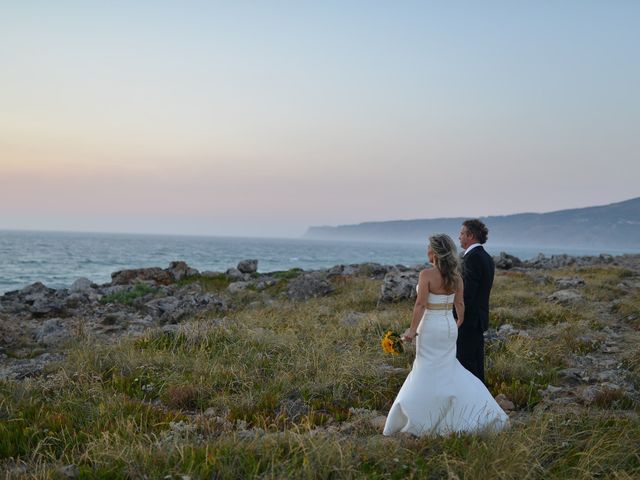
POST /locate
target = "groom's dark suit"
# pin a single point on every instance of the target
(477, 272)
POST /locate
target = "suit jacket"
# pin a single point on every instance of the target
(478, 270)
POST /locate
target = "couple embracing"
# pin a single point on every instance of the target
(445, 391)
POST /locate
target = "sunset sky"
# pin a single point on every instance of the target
(262, 118)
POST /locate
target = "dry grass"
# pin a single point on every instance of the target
(279, 385)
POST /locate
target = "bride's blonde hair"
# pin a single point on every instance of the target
(445, 259)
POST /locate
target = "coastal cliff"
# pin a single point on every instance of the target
(609, 226)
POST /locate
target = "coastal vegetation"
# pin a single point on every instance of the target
(281, 388)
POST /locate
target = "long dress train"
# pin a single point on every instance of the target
(439, 395)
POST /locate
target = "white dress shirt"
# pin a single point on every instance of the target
(471, 247)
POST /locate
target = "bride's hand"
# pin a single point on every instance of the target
(408, 335)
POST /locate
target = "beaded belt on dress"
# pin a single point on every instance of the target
(439, 306)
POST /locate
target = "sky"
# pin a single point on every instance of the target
(262, 118)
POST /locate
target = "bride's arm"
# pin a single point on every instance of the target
(458, 301)
(420, 305)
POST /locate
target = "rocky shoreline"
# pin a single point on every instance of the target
(37, 322)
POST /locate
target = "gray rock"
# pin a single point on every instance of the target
(171, 329)
(154, 274)
(342, 270)
(560, 261)
(506, 262)
(69, 471)
(82, 284)
(590, 394)
(52, 332)
(569, 282)
(398, 286)
(179, 270)
(567, 297)
(166, 307)
(47, 306)
(236, 287)
(552, 392)
(506, 330)
(605, 258)
(76, 299)
(609, 376)
(234, 274)
(555, 261)
(24, 368)
(309, 285)
(504, 402)
(571, 376)
(373, 270)
(378, 422)
(248, 266)
(265, 283)
(113, 289)
(186, 302)
(38, 289)
(36, 299)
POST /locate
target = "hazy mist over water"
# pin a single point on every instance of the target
(57, 258)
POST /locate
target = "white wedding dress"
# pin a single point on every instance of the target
(440, 396)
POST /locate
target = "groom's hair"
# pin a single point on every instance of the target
(478, 229)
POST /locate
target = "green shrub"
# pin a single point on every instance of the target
(127, 297)
(213, 283)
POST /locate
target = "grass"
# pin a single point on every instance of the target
(127, 297)
(519, 300)
(288, 274)
(285, 390)
(628, 309)
(521, 366)
(210, 283)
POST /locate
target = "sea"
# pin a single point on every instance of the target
(57, 259)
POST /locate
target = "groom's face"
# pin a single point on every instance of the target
(465, 238)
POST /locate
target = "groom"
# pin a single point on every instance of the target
(477, 272)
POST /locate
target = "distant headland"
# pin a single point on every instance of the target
(616, 225)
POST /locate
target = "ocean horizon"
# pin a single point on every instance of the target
(57, 259)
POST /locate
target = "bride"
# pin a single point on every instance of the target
(440, 396)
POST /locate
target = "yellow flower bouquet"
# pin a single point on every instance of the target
(392, 343)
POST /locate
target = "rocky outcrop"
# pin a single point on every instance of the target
(36, 299)
(562, 261)
(566, 297)
(236, 275)
(52, 332)
(309, 285)
(506, 262)
(569, 282)
(177, 271)
(180, 270)
(154, 275)
(184, 303)
(41, 319)
(398, 286)
(248, 266)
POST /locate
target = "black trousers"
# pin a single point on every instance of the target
(470, 351)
